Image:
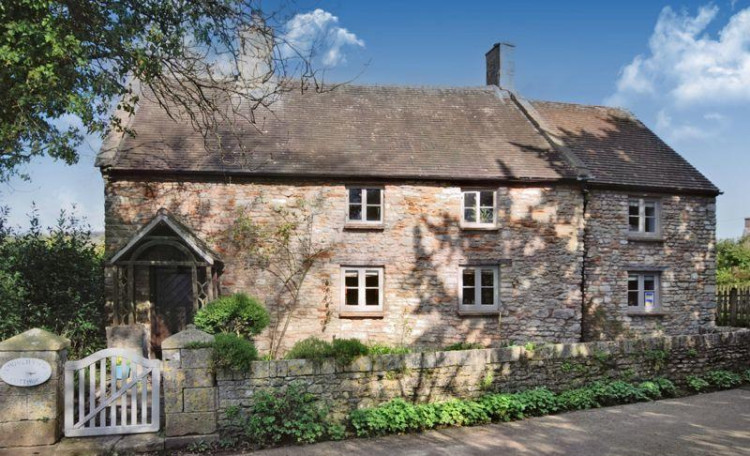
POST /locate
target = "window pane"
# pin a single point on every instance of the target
(469, 297)
(488, 296)
(355, 195)
(650, 225)
(649, 209)
(355, 212)
(351, 279)
(632, 298)
(373, 196)
(633, 283)
(649, 283)
(372, 297)
(371, 279)
(373, 213)
(468, 277)
(352, 296)
(486, 215)
(486, 199)
(470, 199)
(488, 278)
(634, 223)
(633, 210)
(470, 215)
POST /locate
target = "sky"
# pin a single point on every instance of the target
(682, 67)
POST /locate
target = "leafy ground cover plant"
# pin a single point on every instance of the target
(463, 346)
(277, 416)
(343, 351)
(399, 416)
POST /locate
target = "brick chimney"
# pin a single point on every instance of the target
(746, 233)
(500, 65)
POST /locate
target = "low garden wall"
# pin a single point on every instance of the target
(436, 376)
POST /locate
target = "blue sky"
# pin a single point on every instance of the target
(681, 67)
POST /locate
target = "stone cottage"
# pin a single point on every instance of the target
(434, 215)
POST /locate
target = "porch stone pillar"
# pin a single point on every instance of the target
(33, 416)
(190, 392)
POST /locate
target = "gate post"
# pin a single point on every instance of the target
(32, 415)
(190, 393)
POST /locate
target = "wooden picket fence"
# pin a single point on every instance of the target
(733, 306)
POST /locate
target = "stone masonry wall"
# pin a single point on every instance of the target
(436, 376)
(684, 255)
(421, 247)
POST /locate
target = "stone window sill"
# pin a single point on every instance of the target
(364, 226)
(479, 228)
(362, 314)
(640, 313)
(639, 237)
(475, 313)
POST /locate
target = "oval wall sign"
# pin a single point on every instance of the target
(25, 372)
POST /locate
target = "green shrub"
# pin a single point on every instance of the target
(382, 349)
(650, 389)
(577, 399)
(463, 346)
(746, 376)
(502, 407)
(537, 402)
(291, 416)
(347, 350)
(696, 383)
(53, 279)
(343, 351)
(393, 417)
(723, 379)
(232, 352)
(239, 314)
(666, 387)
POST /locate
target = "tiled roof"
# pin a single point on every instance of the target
(358, 131)
(618, 149)
(474, 133)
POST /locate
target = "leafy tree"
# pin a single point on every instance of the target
(52, 279)
(733, 262)
(67, 60)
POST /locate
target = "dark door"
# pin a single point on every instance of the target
(172, 298)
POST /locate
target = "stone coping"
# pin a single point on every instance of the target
(438, 359)
(35, 340)
(186, 337)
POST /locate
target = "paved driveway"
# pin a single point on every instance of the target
(715, 424)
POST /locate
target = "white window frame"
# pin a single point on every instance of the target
(361, 287)
(364, 205)
(641, 307)
(478, 308)
(478, 224)
(642, 202)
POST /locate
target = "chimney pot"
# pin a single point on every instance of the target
(746, 233)
(500, 65)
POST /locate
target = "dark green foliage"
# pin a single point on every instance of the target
(696, 383)
(723, 379)
(399, 416)
(232, 352)
(52, 279)
(343, 351)
(666, 387)
(537, 402)
(284, 416)
(462, 346)
(733, 262)
(239, 314)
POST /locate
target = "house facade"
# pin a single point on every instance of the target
(431, 216)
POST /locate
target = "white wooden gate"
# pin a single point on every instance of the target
(113, 391)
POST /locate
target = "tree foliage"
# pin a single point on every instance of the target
(52, 279)
(65, 61)
(733, 262)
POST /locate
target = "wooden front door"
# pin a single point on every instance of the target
(172, 298)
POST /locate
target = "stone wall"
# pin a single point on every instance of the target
(436, 376)
(33, 416)
(420, 245)
(684, 255)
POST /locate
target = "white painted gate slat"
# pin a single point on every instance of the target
(123, 392)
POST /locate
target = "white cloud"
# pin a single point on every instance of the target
(689, 66)
(318, 33)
